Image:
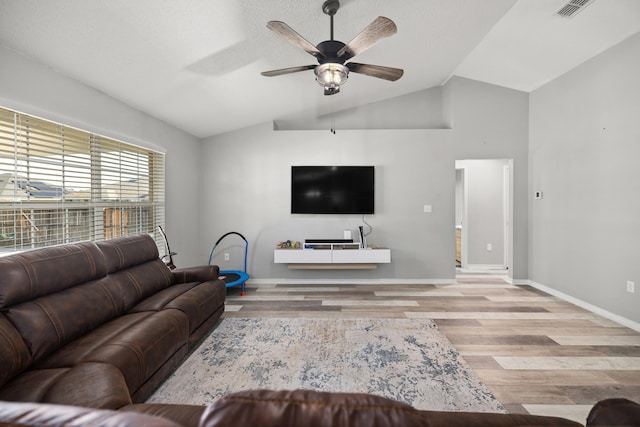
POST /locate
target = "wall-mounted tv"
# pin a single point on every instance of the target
(332, 189)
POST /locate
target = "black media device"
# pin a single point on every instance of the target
(332, 189)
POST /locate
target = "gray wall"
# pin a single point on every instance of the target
(426, 112)
(584, 151)
(492, 122)
(247, 178)
(247, 184)
(34, 89)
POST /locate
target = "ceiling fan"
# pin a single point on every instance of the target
(332, 72)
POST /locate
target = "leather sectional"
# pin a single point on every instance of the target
(298, 408)
(101, 324)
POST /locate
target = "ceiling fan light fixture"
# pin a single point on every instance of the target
(331, 76)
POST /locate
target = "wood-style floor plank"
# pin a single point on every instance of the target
(535, 352)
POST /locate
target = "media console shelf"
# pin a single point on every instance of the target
(332, 256)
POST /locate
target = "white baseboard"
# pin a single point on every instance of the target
(583, 304)
(381, 281)
(513, 281)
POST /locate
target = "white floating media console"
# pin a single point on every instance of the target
(332, 255)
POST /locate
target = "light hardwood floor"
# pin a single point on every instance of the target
(536, 353)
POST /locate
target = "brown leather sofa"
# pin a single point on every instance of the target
(99, 325)
(263, 408)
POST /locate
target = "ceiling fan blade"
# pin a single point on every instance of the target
(379, 28)
(378, 71)
(289, 70)
(290, 35)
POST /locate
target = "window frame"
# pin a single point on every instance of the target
(60, 184)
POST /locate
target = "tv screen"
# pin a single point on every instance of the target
(332, 189)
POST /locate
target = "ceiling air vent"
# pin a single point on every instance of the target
(572, 7)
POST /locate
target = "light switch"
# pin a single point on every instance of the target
(427, 208)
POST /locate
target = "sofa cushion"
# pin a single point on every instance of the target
(79, 350)
(309, 408)
(40, 272)
(137, 344)
(199, 302)
(185, 415)
(50, 322)
(483, 419)
(41, 415)
(160, 299)
(614, 412)
(96, 385)
(14, 354)
(196, 300)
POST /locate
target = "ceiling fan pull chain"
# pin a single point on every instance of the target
(333, 117)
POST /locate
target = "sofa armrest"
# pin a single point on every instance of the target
(614, 412)
(91, 384)
(202, 273)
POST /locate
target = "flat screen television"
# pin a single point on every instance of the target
(332, 189)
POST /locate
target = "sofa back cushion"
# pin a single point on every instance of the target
(45, 271)
(134, 268)
(41, 303)
(124, 252)
(136, 283)
(52, 321)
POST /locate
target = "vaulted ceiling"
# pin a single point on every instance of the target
(196, 64)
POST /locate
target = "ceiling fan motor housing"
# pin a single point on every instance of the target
(329, 49)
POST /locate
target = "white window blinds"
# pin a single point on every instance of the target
(59, 185)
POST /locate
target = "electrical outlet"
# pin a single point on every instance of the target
(631, 287)
(489, 247)
(226, 256)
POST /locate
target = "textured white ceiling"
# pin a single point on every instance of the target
(196, 63)
(531, 46)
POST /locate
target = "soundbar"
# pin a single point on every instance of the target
(328, 241)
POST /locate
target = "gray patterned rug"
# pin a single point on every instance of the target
(404, 359)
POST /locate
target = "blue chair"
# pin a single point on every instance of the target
(233, 277)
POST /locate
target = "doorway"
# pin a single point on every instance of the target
(484, 212)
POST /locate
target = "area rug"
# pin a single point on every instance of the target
(404, 359)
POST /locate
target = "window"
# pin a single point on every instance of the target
(60, 185)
